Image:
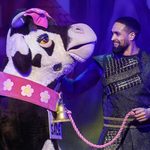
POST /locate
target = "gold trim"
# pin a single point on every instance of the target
(117, 119)
(132, 127)
(117, 126)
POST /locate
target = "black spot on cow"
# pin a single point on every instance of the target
(37, 60)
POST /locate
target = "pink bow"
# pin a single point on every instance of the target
(39, 16)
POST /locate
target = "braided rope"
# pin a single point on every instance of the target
(95, 145)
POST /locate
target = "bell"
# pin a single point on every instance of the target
(62, 116)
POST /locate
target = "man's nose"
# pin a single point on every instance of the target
(113, 37)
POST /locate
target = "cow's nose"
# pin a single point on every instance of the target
(57, 67)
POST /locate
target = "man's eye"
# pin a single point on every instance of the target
(44, 41)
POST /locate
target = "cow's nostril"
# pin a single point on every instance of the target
(57, 67)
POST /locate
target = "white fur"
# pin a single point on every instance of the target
(48, 145)
(16, 43)
(45, 74)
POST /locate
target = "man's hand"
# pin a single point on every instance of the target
(141, 114)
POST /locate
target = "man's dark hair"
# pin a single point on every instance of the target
(131, 24)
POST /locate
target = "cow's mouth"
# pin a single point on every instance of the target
(81, 52)
(80, 45)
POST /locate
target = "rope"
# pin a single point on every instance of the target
(95, 145)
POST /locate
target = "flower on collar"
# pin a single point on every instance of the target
(8, 84)
(44, 96)
(27, 90)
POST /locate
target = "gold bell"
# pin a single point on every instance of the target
(62, 116)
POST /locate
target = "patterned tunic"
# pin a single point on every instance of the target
(126, 86)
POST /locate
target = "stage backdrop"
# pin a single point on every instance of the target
(99, 14)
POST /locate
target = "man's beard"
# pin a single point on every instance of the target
(120, 49)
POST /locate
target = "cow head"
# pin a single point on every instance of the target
(39, 50)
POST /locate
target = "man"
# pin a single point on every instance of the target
(126, 85)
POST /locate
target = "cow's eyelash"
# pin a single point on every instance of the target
(43, 37)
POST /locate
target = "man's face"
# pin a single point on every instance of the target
(120, 38)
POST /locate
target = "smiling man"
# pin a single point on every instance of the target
(124, 33)
(125, 80)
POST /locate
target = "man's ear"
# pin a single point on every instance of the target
(132, 36)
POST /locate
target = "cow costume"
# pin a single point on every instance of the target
(40, 51)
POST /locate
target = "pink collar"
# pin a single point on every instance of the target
(27, 90)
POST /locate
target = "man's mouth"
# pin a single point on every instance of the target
(116, 44)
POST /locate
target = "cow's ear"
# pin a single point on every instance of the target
(18, 20)
(22, 62)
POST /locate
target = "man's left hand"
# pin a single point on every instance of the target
(141, 114)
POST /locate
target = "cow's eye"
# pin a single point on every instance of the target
(44, 40)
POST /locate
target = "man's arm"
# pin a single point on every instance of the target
(83, 82)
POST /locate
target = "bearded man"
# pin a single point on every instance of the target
(126, 86)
